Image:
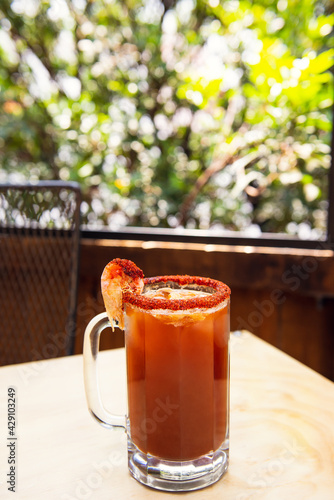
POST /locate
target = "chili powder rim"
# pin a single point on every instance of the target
(222, 292)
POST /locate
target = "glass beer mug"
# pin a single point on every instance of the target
(177, 350)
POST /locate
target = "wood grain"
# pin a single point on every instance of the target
(282, 431)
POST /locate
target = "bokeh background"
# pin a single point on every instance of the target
(201, 114)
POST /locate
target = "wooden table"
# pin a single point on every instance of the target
(282, 431)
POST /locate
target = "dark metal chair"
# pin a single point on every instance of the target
(39, 256)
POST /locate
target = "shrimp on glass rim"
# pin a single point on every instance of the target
(119, 277)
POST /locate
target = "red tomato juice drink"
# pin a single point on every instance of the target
(178, 377)
(177, 350)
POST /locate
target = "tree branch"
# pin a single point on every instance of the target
(218, 164)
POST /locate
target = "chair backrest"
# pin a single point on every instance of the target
(39, 256)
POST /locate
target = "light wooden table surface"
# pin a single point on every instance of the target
(282, 431)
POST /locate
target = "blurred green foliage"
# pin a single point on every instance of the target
(205, 114)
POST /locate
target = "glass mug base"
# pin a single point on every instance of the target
(168, 475)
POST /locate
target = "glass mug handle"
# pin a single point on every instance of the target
(90, 351)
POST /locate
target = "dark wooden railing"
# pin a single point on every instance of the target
(283, 295)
